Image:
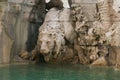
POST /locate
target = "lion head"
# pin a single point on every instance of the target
(51, 40)
(45, 42)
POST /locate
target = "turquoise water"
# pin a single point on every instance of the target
(57, 72)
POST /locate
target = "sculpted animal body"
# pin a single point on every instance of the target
(52, 33)
(59, 4)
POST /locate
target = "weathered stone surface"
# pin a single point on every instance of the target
(36, 19)
(89, 10)
(96, 23)
(52, 34)
(15, 1)
(3, 0)
(114, 56)
(16, 22)
(84, 1)
(100, 62)
(5, 40)
(16, 27)
(91, 34)
(104, 11)
(116, 5)
(115, 11)
(6, 44)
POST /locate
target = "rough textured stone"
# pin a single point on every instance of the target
(114, 56)
(17, 26)
(96, 23)
(100, 62)
(5, 40)
(84, 1)
(91, 22)
(52, 34)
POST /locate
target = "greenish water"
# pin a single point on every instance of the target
(57, 72)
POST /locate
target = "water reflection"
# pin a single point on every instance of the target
(57, 72)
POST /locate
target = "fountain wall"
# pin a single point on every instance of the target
(16, 23)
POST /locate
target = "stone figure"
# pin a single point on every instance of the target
(91, 38)
(35, 21)
(36, 18)
(53, 32)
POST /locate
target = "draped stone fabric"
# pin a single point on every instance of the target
(17, 24)
(5, 40)
(35, 19)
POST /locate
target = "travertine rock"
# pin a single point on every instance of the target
(5, 40)
(114, 56)
(91, 36)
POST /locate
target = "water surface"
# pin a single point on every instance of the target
(57, 72)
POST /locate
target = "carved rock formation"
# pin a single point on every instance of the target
(5, 40)
(90, 44)
(85, 34)
(90, 37)
(15, 27)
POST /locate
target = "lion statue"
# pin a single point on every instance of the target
(56, 29)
